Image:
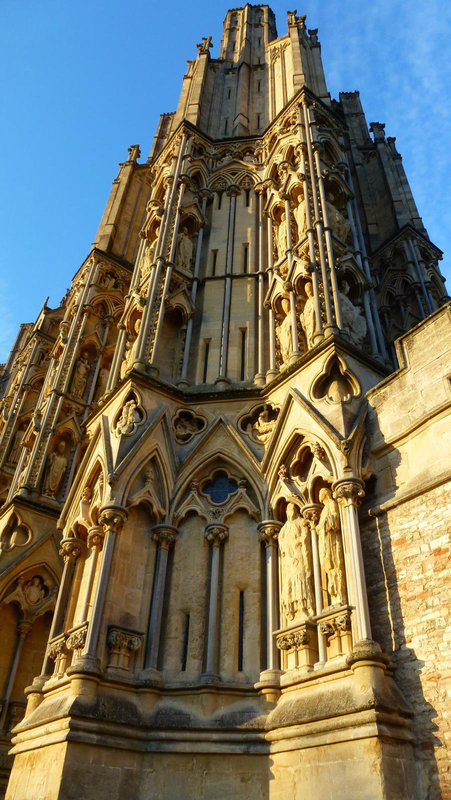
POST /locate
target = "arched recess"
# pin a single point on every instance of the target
(305, 457)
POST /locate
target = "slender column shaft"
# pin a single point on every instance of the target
(272, 330)
(318, 223)
(366, 299)
(414, 250)
(259, 378)
(165, 536)
(311, 244)
(95, 542)
(112, 520)
(293, 314)
(349, 494)
(227, 290)
(22, 630)
(189, 329)
(215, 534)
(312, 513)
(269, 530)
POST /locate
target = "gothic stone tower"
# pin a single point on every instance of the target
(229, 429)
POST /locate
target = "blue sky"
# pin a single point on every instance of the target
(84, 80)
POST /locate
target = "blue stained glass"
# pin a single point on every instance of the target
(220, 488)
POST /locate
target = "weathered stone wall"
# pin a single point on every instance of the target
(407, 557)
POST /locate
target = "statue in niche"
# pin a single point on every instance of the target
(283, 332)
(149, 255)
(296, 572)
(300, 214)
(131, 347)
(331, 548)
(282, 239)
(308, 318)
(102, 381)
(80, 378)
(129, 420)
(263, 425)
(339, 224)
(16, 446)
(184, 250)
(56, 468)
(351, 317)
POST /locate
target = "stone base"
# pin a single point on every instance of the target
(341, 733)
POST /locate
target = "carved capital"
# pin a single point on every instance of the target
(216, 533)
(112, 518)
(269, 531)
(96, 536)
(71, 548)
(77, 639)
(326, 628)
(312, 513)
(343, 622)
(123, 641)
(348, 492)
(165, 536)
(57, 649)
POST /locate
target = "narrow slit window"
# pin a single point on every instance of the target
(206, 352)
(243, 355)
(258, 121)
(214, 256)
(219, 200)
(185, 642)
(228, 94)
(240, 631)
(259, 42)
(247, 198)
(245, 258)
(226, 125)
(259, 86)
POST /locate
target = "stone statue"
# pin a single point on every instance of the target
(331, 548)
(35, 590)
(16, 447)
(130, 349)
(148, 257)
(129, 420)
(339, 224)
(296, 572)
(102, 381)
(184, 250)
(80, 378)
(308, 319)
(301, 218)
(263, 425)
(56, 468)
(282, 237)
(283, 332)
(351, 317)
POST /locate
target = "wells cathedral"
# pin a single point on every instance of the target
(224, 463)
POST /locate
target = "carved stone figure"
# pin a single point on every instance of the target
(282, 237)
(296, 572)
(35, 590)
(130, 349)
(56, 468)
(129, 420)
(16, 447)
(301, 218)
(186, 425)
(102, 382)
(148, 257)
(263, 425)
(80, 378)
(184, 249)
(283, 332)
(351, 317)
(308, 320)
(331, 548)
(339, 224)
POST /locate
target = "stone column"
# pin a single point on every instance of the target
(272, 372)
(311, 243)
(269, 531)
(312, 514)
(215, 534)
(205, 194)
(95, 543)
(233, 191)
(318, 222)
(417, 260)
(366, 298)
(23, 627)
(112, 519)
(348, 493)
(260, 376)
(294, 326)
(165, 537)
(71, 548)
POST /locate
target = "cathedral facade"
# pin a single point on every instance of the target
(225, 461)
